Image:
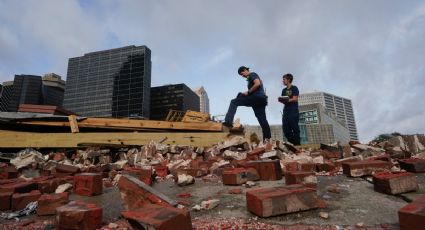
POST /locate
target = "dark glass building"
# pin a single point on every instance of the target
(27, 89)
(175, 97)
(5, 95)
(53, 89)
(110, 83)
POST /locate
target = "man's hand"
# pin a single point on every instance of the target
(245, 93)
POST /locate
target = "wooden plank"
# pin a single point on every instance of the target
(133, 124)
(193, 116)
(15, 139)
(73, 124)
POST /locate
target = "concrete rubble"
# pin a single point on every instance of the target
(62, 180)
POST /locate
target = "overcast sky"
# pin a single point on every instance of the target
(370, 51)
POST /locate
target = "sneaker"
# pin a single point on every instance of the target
(228, 125)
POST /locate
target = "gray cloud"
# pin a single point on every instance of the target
(368, 51)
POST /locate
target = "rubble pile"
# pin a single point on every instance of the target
(45, 180)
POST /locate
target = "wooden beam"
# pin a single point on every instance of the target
(110, 123)
(73, 124)
(15, 139)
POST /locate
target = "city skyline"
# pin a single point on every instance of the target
(368, 52)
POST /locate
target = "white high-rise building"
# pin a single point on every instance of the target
(341, 107)
(204, 101)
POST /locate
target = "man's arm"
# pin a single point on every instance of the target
(254, 88)
(293, 99)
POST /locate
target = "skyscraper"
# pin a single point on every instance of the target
(53, 89)
(5, 95)
(341, 107)
(203, 99)
(27, 89)
(110, 83)
(174, 97)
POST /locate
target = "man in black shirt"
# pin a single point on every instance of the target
(291, 115)
(255, 97)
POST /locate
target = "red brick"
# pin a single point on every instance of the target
(395, 183)
(266, 202)
(8, 172)
(161, 170)
(365, 168)
(238, 176)
(310, 167)
(20, 200)
(301, 177)
(290, 167)
(88, 184)
(19, 187)
(5, 200)
(134, 194)
(79, 215)
(152, 216)
(257, 151)
(47, 204)
(330, 155)
(327, 166)
(412, 216)
(196, 172)
(144, 174)
(63, 168)
(413, 165)
(268, 169)
(235, 191)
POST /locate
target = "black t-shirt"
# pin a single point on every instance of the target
(291, 92)
(260, 91)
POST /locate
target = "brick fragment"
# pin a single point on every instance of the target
(327, 166)
(88, 184)
(395, 183)
(238, 176)
(291, 166)
(161, 170)
(21, 200)
(301, 177)
(412, 216)
(257, 151)
(8, 172)
(310, 167)
(63, 168)
(158, 217)
(5, 200)
(143, 174)
(413, 165)
(196, 172)
(79, 215)
(266, 202)
(268, 169)
(135, 193)
(19, 187)
(48, 203)
(235, 191)
(365, 168)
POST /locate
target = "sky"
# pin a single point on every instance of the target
(369, 51)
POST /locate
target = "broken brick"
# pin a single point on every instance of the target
(257, 151)
(268, 169)
(413, 165)
(196, 172)
(48, 203)
(301, 177)
(365, 168)
(395, 183)
(8, 172)
(327, 166)
(235, 176)
(266, 202)
(79, 215)
(291, 166)
(235, 191)
(152, 216)
(68, 169)
(309, 167)
(88, 184)
(21, 200)
(19, 187)
(412, 216)
(161, 170)
(144, 174)
(5, 200)
(135, 193)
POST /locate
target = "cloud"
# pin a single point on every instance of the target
(370, 52)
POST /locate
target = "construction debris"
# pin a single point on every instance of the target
(136, 171)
